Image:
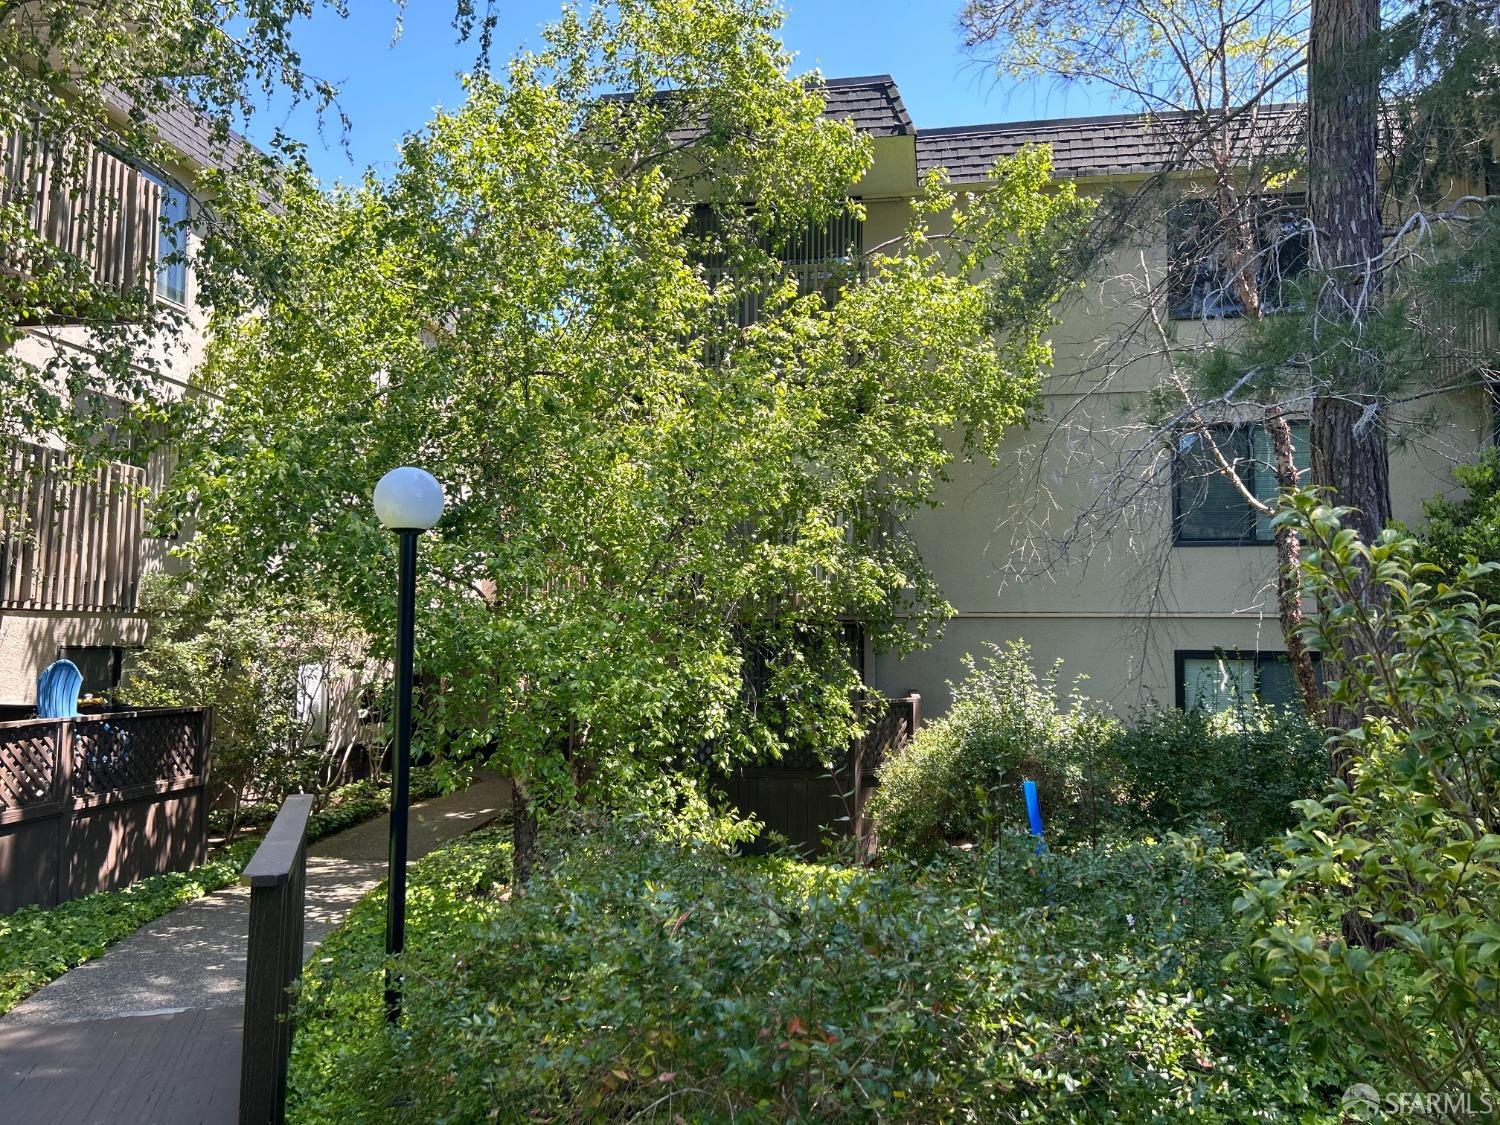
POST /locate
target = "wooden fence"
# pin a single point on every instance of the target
(100, 802)
(278, 891)
(68, 545)
(807, 803)
(92, 206)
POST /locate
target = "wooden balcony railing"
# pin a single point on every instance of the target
(68, 546)
(96, 209)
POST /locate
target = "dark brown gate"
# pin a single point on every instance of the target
(807, 804)
(100, 802)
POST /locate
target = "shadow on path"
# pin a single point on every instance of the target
(149, 1031)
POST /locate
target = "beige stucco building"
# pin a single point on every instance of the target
(1087, 538)
(1080, 538)
(72, 556)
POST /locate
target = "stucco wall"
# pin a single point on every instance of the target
(1128, 600)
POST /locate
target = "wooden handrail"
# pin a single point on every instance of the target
(277, 874)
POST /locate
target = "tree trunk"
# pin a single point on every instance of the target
(523, 835)
(1348, 419)
(1288, 573)
(1348, 425)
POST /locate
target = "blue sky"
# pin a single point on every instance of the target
(390, 90)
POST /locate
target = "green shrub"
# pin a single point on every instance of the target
(1240, 772)
(246, 658)
(960, 778)
(1469, 527)
(1380, 925)
(642, 978)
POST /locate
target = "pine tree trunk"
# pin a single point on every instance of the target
(1348, 420)
(1348, 425)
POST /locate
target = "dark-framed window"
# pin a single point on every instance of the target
(1207, 508)
(1216, 680)
(171, 250)
(100, 665)
(1200, 282)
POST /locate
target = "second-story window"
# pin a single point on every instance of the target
(171, 254)
(1208, 507)
(1202, 281)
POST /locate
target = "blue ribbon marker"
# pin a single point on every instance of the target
(1034, 814)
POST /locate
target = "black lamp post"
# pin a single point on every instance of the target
(408, 501)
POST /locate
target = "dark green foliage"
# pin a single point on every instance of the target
(1470, 527)
(38, 945)
(1240, 773)
(1379, 918)
(960, 779)
(642, 978)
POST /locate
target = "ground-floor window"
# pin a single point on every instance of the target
(1223, 679)
(100, 665)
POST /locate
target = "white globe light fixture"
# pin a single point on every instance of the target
(408, 499)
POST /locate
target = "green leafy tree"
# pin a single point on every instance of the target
(1410, 841)
(643, 480)
(258, 665)
(1465, 528)
(76, 77)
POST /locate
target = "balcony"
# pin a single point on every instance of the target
(93, 209)
(68, 545)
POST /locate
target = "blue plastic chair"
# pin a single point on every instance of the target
(57, 690)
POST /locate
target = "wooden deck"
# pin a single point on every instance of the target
(180, 1068)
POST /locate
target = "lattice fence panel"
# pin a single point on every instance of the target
(28, 762)
(134, 750)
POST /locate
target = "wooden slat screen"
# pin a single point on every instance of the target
(818, 255)
(68, 545)
(109, 218)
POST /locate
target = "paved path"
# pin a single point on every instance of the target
(164, 1001)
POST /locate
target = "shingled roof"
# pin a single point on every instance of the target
(873, 103)
(187, 132)
(1115, 145)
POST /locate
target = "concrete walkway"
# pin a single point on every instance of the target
(182, 975)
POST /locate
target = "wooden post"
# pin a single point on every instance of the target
(62, 780)
(273, 962)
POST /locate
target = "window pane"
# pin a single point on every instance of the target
(100, 665)
(1198, 281)
(1210, 508)
(1216, 684)
(1283, 248)
(1277, 688)
(171, 271)
(1267, 487)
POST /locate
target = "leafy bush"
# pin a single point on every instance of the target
(1404, 856)
(247, 662)
(1239, 772)
(1457, 530)
(642, 977)
(960, 778)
